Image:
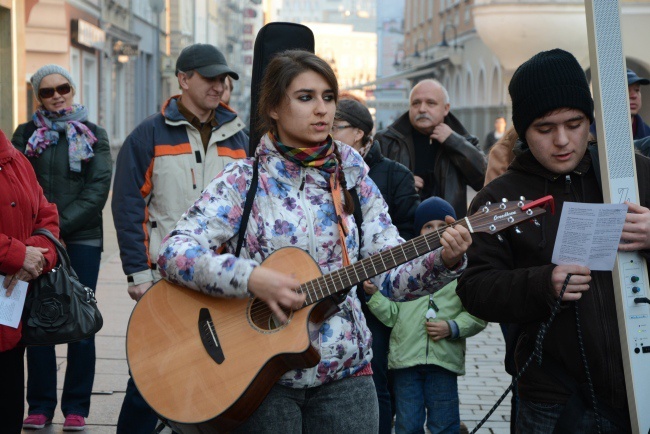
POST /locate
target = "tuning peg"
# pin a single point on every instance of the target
(504, 200)
(517, 230)
(536, 222)
(522, 198)
(488, 203)
(485, 209)
(499, 237)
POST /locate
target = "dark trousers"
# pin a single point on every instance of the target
(342, 406)
(136, 417)
(541, 418)
(80, 371)
(380, 373)
(12, 390)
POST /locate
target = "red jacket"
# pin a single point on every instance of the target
(23, 209)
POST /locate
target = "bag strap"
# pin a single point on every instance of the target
(64, 259)
(248, 206)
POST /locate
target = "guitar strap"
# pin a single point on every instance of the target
(248, 206)
(250, 196)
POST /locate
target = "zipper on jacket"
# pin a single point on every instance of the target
(308, 215)
(567, 184)
(193, 179)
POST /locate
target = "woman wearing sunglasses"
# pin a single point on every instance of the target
(72, 161)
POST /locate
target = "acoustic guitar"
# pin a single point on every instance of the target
(204, 364)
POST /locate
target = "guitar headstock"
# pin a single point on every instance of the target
(494, 217)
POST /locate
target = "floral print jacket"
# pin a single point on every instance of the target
(293, 207)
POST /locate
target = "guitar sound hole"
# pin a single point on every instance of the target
(262, 317)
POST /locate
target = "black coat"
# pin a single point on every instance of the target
(79, 197)
(510, 281)
(397, 187)
(459, 162)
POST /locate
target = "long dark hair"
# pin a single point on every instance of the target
(279, 74)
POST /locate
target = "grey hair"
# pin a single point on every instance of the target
(434, 81)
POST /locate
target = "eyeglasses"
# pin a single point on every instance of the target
(335, 128)
(48, 92)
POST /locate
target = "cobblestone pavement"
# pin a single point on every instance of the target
(478, 389)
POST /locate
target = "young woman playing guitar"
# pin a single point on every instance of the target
(302, 201)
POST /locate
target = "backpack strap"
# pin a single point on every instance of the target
(248, 206)
(358, 215)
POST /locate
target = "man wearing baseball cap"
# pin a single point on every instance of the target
(162, 168)
(639, 128)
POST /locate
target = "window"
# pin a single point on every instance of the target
(90, 95)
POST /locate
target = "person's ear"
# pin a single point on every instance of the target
(182, 81)
(447, 109)
(358, 135)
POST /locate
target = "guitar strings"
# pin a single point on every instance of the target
(261, 311)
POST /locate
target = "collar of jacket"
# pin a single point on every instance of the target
(402, 126)
(223, 114)
(280, 168)
(525, 161)
(7, 151)
(374, 155)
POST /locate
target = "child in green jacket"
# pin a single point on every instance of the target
(427, 344)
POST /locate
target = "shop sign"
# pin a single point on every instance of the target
(87, 34)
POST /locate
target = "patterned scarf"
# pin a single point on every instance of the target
(50, 124)
(321, 156)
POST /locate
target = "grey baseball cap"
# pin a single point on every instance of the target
(205, 59)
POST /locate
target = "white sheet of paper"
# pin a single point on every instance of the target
(11, 308)
(589, 234)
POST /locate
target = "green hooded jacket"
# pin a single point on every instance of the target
(409, 343)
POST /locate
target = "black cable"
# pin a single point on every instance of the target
(537, 352)
(584, 362)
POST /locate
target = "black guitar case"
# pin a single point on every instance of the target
(272, 39)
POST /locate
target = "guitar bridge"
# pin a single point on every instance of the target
(209, 336)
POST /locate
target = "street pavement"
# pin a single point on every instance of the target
(479, 389)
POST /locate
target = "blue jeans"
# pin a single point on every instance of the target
(380, 341)
(427, 387)
(136, 417)
(80, 371)
(340, 407)
(540, 418)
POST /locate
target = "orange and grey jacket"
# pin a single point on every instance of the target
(161, 169)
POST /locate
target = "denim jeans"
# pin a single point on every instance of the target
(340, 407)
(380, 374)
(430, 388)
(80, 370)
(136, 417)
(540, 418)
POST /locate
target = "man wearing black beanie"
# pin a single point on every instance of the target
(511, 279)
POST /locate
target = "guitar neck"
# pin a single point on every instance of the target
(346, 277)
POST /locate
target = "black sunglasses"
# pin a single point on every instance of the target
(48, 92)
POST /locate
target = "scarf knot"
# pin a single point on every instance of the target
(70, 120)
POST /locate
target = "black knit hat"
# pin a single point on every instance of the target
(356, 114)
(548, 81)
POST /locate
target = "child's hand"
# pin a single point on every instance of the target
(369, 287)
(437, 330)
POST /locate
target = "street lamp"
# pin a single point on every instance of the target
(444, 43)
(426, 48)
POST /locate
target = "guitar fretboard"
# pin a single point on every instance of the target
(346, 277)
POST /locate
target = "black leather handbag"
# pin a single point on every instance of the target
(59, 309)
